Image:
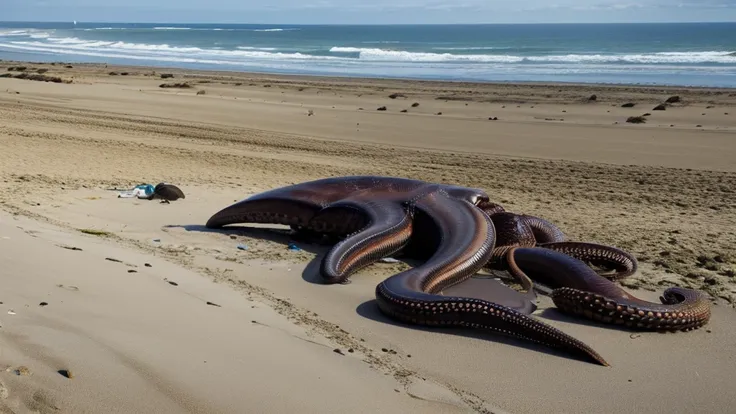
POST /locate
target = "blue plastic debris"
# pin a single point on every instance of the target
(293, 246)
(242, 247)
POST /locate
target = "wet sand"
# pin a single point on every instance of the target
(665, 193)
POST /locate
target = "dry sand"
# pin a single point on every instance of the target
(665, 190)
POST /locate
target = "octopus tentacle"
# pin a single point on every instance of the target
(295, 213)
(624, 263)
(466, 243)
(387, 230)
(295, 205)
(581, 291)
(490, 207)
(544, 231)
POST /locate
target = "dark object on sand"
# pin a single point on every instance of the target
(593, 98)
(415, 104)
(383, 108)
(673, 99)
(182, 85)
(628, 105)
(636, 120)
(166, 75)
(456, 231)
(397, 95)
(404, 111)
(65, 373)
(168, 192)
(660, 107)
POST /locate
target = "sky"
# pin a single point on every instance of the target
(368, 11)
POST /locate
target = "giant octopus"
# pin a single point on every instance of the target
(455, 232)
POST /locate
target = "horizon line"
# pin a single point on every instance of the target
(366, 24)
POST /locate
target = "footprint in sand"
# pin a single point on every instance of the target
(4, 393)
(42, 402)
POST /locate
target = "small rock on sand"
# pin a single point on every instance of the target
(673, 99)
(660, 107)
(628, 105)
(66, 373)
(382, 108)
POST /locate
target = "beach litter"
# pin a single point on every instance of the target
(242, 247)
(388, 260)
(164, 191)
(294, 247)
(144, 191)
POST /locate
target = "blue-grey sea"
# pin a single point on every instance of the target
(692, 54)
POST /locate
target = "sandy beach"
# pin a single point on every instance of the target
(181, 320)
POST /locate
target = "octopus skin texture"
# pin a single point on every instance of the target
(456, 231)
(531, 247)
(449, 226)
(578, 290)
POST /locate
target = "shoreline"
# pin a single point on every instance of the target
(664, 193)
(661, 88)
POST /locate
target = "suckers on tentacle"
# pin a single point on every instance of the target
(467, 241)
(610, 257)
(388, 229)
(581, 291)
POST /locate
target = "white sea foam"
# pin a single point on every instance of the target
(155, 51)
(653, 58)
(256, 48)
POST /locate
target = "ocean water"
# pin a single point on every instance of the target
(692, 54)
